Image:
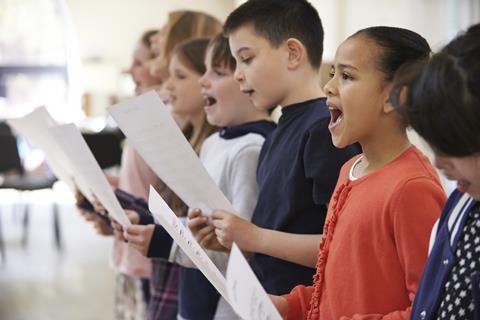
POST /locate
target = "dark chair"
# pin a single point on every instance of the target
(13, 176)
(106, 147)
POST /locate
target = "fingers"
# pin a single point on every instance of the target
(220, 234)
(139, 237)
(194, 224)
(132, 216)
(220, 214)
(202, 233)
(134, 230)
(194, 213)
(118, 229)
(207, 240)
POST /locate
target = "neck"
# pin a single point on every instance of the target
(381, 149)
(252, 117)
(306, 87)
(197, 121)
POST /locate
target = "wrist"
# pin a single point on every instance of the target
(256, 239)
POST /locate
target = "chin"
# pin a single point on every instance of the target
(213, 121)
(338, 143)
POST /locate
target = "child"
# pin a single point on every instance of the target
(132, 269)
(181, 26)
(185, 68)
(277, 45)
(230, 156)
(386, 200)
(443, 106)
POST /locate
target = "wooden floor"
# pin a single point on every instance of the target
(37, 281)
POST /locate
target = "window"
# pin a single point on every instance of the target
(38, 60)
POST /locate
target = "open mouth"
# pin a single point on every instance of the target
(336, 117)
(210, 101)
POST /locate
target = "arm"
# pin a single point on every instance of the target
(296, 304)
(281, 304)
(297, 248)
(229, 227)
(240, 186)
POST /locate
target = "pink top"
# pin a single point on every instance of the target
(135, 178)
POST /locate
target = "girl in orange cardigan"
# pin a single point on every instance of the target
(386, 200)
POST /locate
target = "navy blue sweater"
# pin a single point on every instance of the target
(198, 297)
(297, 172)
(442, 259)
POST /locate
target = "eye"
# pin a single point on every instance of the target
(246, 60)
(332, 72)
(346, 76)
(179, 75)
(218, 72)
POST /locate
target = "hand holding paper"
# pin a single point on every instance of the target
(182, 236)
(151, 129)
(84, 166)
(241, 289)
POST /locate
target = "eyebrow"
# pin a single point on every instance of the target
(345, 66)
(241, 49)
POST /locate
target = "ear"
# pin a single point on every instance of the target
(296, 52)
(387, 105)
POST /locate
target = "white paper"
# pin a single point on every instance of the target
(183, 237)
(85, 167)
(153, 132)
(34, 128)
(247, 296)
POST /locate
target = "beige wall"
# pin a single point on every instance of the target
(437, 20)
(106, 32)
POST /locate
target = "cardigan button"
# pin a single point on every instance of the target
(445, 262)
(423, 315)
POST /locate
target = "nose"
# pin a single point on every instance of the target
(238, 74)
(130, 70)
(329, 88)
(203, 81)
(169, 84)
(442, 163)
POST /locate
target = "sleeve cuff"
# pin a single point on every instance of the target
(293, 306)
(161, 243)
(145, 218)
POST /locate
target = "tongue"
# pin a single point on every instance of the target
(339, 118)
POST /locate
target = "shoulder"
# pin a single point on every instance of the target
(411, 181)
(412, 164)
(209, 143)
(251, 142)
(211, 138)
(457, 200)
(317, 116)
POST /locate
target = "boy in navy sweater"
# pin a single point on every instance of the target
(278, 47)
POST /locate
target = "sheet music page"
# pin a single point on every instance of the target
(247, 296)
(34, 127)
(84, 166)
(153, 132)
(184, 238)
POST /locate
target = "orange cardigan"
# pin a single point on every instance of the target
(375, 243)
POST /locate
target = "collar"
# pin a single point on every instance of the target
(261, 127)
